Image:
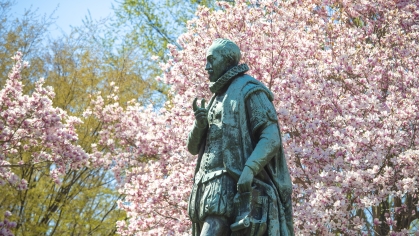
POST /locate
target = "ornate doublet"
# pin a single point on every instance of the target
(240, 115)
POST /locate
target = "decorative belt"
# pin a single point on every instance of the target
(209, 176)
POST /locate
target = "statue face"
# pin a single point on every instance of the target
(217, 64)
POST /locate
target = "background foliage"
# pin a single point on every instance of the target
(345, 79)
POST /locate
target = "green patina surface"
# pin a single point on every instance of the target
(242, 185)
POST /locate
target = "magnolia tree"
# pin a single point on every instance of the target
(146, 151)
(29, 123)
(345, 79)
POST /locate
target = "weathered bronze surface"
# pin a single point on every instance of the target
(242, 185)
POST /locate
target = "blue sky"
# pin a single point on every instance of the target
(68, 12)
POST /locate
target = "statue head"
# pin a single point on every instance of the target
(222, 55)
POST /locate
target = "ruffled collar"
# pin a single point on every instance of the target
(216, 86)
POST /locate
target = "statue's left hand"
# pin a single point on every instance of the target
(245, 180)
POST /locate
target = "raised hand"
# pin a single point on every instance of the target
(200, 114)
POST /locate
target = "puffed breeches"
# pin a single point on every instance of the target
(212, 198)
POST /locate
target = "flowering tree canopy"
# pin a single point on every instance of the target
(345, 79)
(30, 122)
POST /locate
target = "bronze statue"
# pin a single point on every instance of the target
(242, 185)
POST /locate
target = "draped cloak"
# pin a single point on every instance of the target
(239, 143)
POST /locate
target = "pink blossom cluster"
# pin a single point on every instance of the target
(6, 226)
(143, 148)
(29, 123)
(345, 79)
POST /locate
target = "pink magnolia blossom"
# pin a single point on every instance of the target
(30, 121)
(345, 79)
(6, 226)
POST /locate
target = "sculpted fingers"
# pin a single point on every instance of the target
(245, 181)
(200, 113)
(203, 103)
(195, 107)
(201, 117)
(243, 187)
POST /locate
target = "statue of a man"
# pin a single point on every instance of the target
(242, 185)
